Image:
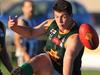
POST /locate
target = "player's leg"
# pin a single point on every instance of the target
(42, 65)
(39, 65)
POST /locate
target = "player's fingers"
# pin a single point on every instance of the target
(10, 19)
(12, 23)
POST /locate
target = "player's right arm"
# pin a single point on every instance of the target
(17, 41)
(17, 37)
(30, 32)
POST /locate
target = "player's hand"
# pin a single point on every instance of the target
(12, 21)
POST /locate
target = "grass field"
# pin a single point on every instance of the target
(84, 72)
(90, 72)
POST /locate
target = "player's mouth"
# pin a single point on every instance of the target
(62, 26)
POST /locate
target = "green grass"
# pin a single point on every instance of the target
(84, 72)
(90, 72)
(4, 70)
(87, 72)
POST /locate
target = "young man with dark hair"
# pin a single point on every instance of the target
(63, 50)
(3, 52)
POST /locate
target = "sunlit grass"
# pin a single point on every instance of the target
(84, 72)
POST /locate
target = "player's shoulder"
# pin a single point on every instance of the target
(49, 21)
(74, 38)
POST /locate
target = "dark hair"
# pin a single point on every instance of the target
(63, 6)
(28, 1)
(2, 26)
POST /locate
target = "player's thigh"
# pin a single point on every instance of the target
(42, 64)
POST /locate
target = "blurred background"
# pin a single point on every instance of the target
(85, 11)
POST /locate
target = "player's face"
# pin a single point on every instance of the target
(28, 9)
(61, 19)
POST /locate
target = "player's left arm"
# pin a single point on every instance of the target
(4, 55)
(73, 47)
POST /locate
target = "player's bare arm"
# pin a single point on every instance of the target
(18, 37)
(73, 47)
(30, 32)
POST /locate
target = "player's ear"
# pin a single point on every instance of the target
(70, 23)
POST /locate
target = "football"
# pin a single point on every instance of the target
(88, 36)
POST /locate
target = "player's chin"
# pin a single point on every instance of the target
(61, 28)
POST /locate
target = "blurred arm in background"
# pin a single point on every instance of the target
(21, 54)
(3, 51)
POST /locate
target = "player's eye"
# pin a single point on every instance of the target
(56, 16)
(65, 16)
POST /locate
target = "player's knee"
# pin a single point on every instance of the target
(40, 62)
(40, 57)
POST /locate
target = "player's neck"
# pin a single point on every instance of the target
(27, 16)
(65, 31)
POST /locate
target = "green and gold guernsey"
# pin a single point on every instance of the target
(55, 48)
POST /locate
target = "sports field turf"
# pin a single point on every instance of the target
(85, 72)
